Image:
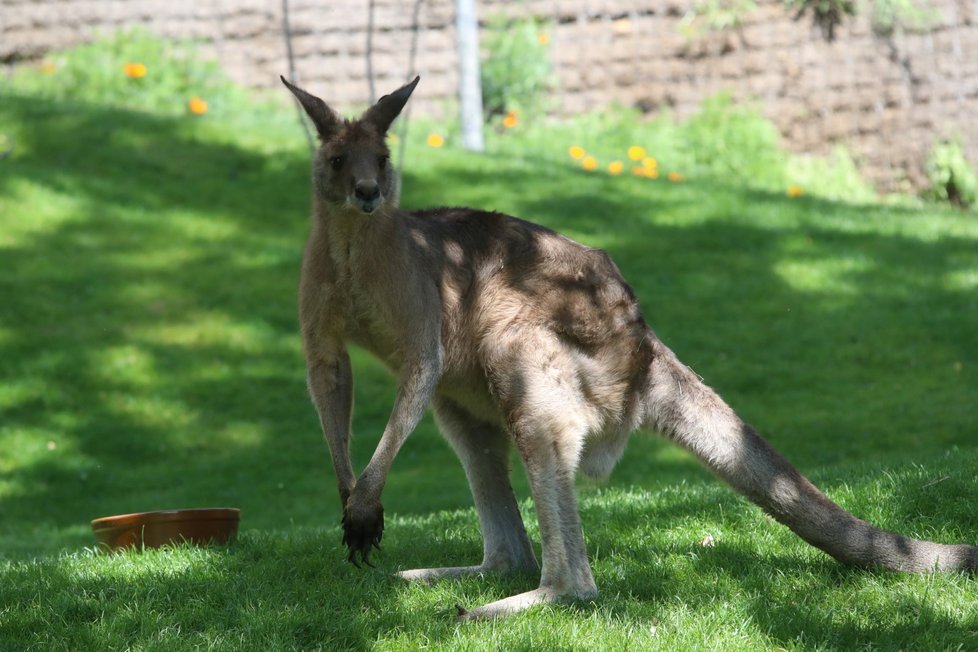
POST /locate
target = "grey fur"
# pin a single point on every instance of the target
(517, 334)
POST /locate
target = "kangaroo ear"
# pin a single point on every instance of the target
(382, 114)
(327, 121)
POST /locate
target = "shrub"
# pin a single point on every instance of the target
(516, 71)
(730, 141)
(831, 177)
(132, 69)
(951, 177)
(724, 141)
(892, 16)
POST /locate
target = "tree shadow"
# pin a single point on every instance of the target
(108, 303)
(149, 338)
(284, 591)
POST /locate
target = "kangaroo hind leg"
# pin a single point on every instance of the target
(550, 435)
(483, 450)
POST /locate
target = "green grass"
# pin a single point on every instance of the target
(149, 358)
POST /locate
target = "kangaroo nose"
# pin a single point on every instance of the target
(367, 190)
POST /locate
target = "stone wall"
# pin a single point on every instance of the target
(887, 99)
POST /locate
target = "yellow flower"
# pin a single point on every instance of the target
(636, 152)
(543, 38)
(135, 70)
(393, 139)
(48, 68)
(197, 106)
(675, 177)
(435, 140)
(795, 191)
(615, 167)
(576, 152)
(589, 163)
(511, 119)
(649, 163)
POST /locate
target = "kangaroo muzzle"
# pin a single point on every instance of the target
(367, 196)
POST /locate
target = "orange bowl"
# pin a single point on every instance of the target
(154, 529)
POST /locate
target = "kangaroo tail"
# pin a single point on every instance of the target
(688, 412)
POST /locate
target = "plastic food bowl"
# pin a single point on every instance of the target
(200, 526)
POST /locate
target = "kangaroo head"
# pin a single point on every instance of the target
(352, 166)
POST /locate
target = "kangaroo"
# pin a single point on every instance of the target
(515, 334)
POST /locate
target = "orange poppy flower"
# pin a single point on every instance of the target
(135, 70)
(197, 106)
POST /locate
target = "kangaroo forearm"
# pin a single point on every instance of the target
(331, 387)
(412, 399)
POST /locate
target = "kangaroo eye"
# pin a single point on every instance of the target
(382, 160)
(336, 162)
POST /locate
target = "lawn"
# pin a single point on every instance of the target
(149, 359)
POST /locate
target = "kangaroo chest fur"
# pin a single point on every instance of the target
(340, 299)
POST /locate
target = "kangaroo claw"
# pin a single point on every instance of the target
(361, 533)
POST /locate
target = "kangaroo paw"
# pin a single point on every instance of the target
(362, 530)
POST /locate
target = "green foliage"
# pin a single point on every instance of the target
(952, 177)
(516, 72)
(831, 177)
(826, 14)
(891, 16)
(724, 141)
(729, 141)
(888, 16)
(712, 15)
(162, 75)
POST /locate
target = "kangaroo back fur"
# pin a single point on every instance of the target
(515, 334)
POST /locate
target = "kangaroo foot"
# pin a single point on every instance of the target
(519, 602)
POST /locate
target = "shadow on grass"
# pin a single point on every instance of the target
(149, 341)
(288, 591)
(149, 330)
(149, 327)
